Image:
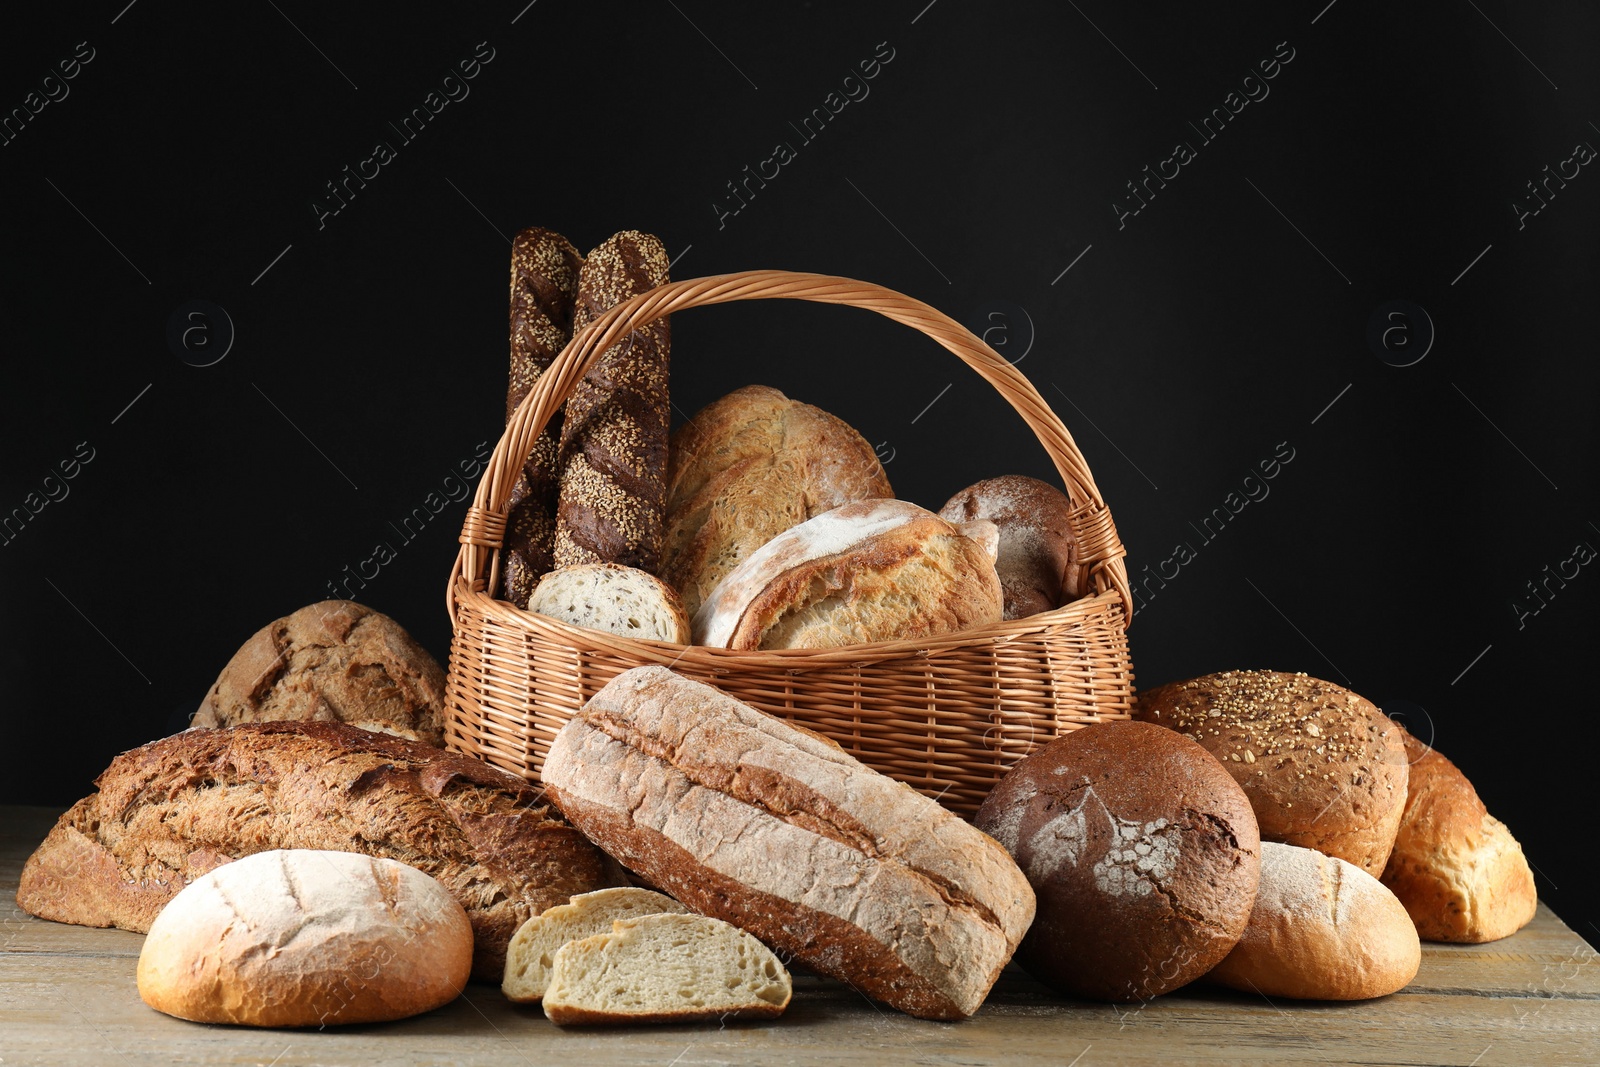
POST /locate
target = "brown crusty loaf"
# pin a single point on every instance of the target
(747, 819)
(296, 937)
(335, 661)
(1322, 767)
(746, 468)
(174, 809)
(1038, 562)
(544, 285)
(875, 570)
(614, 437)
(1456, 868)
(1142, 851)
(1322, 929)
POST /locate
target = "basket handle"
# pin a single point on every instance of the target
(483, 533)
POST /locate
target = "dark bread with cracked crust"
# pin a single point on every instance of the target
(544, 286)
(177, 808)
(747, 819)
(1143, 852)
(1322, 766)
(613, 461)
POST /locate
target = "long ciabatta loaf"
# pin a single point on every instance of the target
(544, 287)
(748, 819)
(613, 460)
(874, 570)
(177, 808)
(746, 468)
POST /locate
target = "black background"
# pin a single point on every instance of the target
(1227, 317)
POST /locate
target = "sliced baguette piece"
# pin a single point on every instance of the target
(608, 596)
(666, 969)
(532, 951)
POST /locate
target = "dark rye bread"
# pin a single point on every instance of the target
(1144, 855)
(614, 438)
(172, 810)
(1322, 767)
(544, 286)
(745, 818)
(334, 661)
(1038, 560)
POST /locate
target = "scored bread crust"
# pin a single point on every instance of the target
(1322, 766)
(744, 818)
(172, 810)
(1456, 868)
(873, 570)
(747, 467)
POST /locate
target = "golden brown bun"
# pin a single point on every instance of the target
(1455, 867)
(1322, 767)
(1322, 929)
(746, 468)
(1142, 851)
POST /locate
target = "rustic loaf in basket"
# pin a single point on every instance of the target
(745, 818)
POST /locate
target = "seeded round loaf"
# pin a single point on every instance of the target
(1038, 557)
(1322, 767)
(335, 661)
(1143, 854)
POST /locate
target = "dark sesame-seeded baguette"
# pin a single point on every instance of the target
(614, 438)
(544, 284)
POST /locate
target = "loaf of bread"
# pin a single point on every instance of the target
(614, 438)
(533, 947)
(306, 938)
(1038, 560)
(544, 287)
(1142, 851)
(617, 599)
(335, 661)
(1456, 868)
(745, 818)
(747, 467)
(175, 809)
(875, 570)
(1322, 767)
(1321, 929)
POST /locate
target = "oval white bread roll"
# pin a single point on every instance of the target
(532, 951)
(1322, 929)
(874, 570)
(666, 969)
(608, 596)
(301, 937)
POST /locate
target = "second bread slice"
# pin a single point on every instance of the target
(608, 596)
(666, 969)
(532, 951)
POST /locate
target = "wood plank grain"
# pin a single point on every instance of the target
(67, 996)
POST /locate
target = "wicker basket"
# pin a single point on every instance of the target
(947, 715)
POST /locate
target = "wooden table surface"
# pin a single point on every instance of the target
(67, 996)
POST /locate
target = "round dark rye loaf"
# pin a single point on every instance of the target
(175, 809)
(613, 491)
(544, 284)
(745, 818)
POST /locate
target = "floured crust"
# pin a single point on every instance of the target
(1456, 868)
(740, 817)
(747, 467)
(1321, 929)
(1322, 766)
(1038, 562)
(869, 571)
(175, 809)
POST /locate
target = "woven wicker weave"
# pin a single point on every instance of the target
(947, 715)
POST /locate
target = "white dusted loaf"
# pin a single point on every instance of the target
(302, 937)
(748, 819)
(874, 570)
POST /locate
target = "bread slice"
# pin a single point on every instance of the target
(666, 969)
(532, 951)
(617, 599)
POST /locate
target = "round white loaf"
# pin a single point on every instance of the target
(301, 937)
